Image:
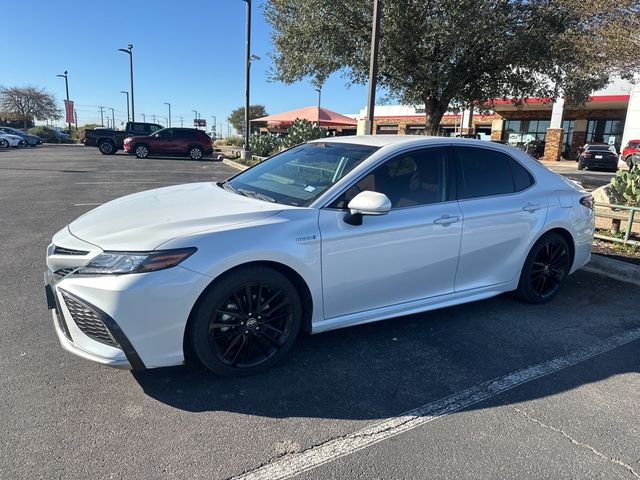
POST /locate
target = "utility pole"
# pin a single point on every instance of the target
(113, 118)
(154, 117)
(101, 116)
(373, 66)
(181, 121)
(215, 128)
(129, 51)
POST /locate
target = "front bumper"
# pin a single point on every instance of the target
(132, 321)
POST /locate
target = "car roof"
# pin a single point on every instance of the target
(407, 140)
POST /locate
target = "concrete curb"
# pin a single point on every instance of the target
(233, 164)
(626, 272)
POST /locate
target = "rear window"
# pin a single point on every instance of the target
(599, 148)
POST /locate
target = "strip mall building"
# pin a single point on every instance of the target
(611, 115)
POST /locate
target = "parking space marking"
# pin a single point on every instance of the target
(297, 463)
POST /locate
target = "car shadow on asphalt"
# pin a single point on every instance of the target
(385, 368)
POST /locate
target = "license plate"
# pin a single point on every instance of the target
(599, 157)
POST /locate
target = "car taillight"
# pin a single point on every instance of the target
(587, 201)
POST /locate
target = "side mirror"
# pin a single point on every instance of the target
(367, 203)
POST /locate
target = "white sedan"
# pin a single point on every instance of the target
(7, 140)
(325, 235)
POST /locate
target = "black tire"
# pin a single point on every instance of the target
(195, 152)
(107, 147)
(141, 150)
(4, 143)
(545, 269)
(232, 341)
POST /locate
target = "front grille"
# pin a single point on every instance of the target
(88, 321)
(67, 251)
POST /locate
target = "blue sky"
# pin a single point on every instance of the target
(188, 53)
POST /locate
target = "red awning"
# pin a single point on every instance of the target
(324, 117)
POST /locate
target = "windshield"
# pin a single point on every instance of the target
(301, 174)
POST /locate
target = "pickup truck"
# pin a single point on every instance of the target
(109, 141)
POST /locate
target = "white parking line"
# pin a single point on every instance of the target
(297, 463)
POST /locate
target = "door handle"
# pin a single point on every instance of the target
(531, 207)
(446, 220)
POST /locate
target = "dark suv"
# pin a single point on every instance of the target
(191, 142)
(598, 155)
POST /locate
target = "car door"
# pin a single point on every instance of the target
(411, 253)
(502, 209)
(162, 141)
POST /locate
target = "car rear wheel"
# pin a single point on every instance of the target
(195, 153)
(107, 147)
(545, 269)
(247, 322)
(141, 150)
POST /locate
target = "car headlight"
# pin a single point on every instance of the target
(118, 263)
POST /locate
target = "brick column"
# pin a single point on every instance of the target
(553, 144)
(496, 129)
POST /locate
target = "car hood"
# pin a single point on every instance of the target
(145, 220)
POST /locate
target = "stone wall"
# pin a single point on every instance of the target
(553, 144)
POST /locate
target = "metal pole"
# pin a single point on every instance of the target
(215, 128)
(181, 122)
(154, 117)
(129, 50)
(101, 116)
(167, 103)
(113, 118)
(66, 85)
(127, 94)
(75, 117)
(373, 65)
(247, 128)
(144, 117)
(319, 90)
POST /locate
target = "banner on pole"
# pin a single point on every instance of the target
(68, 107)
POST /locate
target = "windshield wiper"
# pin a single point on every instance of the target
(252, 194)
(227, 186)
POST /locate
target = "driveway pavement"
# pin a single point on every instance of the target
(493, 389)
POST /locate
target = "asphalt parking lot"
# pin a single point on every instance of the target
(493, 389)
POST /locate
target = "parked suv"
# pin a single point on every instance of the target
(633, 146)
(191, 142)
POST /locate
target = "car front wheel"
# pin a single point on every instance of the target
(141, 151)
(4, 143)
(195, 153)
(247, 322)
(545, 269)
(107, 147)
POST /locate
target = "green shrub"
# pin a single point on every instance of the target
(627, 185)
(262, 145)
(301, 131)
(235, 140)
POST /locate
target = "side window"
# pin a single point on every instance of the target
(165, 133)
(411, 179)
(483, 172)
(522, 179)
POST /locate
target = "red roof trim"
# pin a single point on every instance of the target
(596, 98)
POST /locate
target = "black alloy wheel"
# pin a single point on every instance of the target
(247, 322)
(107, 147)
(141, 150)
(545, 270)
(4, 143)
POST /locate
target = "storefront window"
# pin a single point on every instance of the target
(607, 131)
(567, 126)
(526, 134)
(387, 129)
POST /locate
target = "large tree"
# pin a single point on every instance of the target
(237, 117)
(444, 53)
(28, 103)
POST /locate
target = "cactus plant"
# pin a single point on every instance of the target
(627, 186)
(301, 131)
(262, 145)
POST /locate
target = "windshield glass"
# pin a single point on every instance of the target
(301, 174)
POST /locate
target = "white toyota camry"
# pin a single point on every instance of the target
(328, 234)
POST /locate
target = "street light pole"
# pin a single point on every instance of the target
(144, 117)
(75, 117)
(167, 103)
(215, 128)
(373, 65)
(66, 85)
(101, 116)
(127, 94)
(247, 129)
(319, 90)
(130, 52)
(113, 119)
(195, 113)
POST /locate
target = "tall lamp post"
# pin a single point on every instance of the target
(167, 103)
(319, 90)
(373, 66)
(215, 128)
(144, 117)
(113, 118)
(127, 94)
(66, 86)
(129, 51)
(245, 151)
